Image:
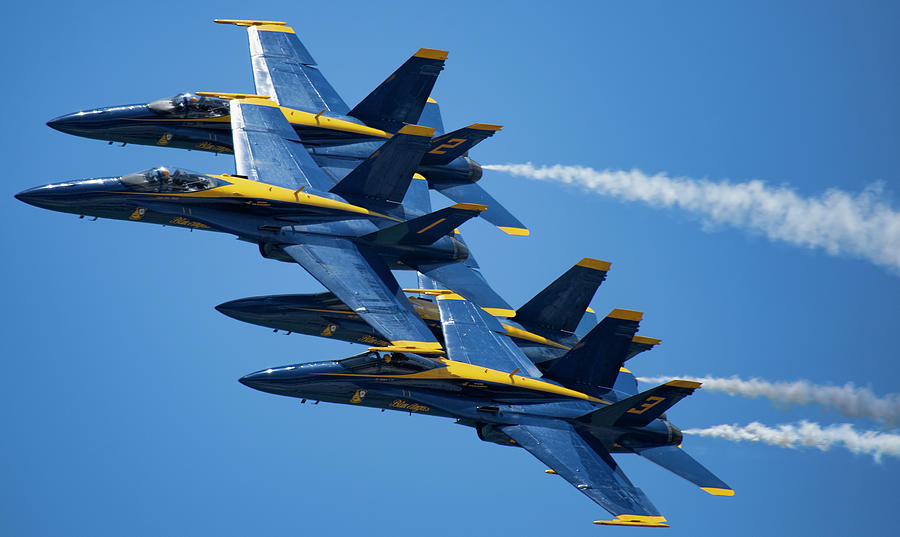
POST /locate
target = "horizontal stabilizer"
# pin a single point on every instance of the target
(496, 213)
(594, 362)
(401, 97)
(639, 410)
(677, 461)
(561, 305)
(455, 144)
(428, 228)
(386, 174)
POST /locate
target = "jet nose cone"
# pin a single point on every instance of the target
(68, 123)
(280, 380)
(37, 196)
(237, 309)
(253, 380)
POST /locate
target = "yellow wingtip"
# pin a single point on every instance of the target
(431, 54)
(430, 100)
(520, 231)
(635, 520)
(646, 340)
(718, 492)
(246, 22)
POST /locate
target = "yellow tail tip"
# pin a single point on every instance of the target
(595, 264)
(718, 492)
(431, 54)
(691, 385)
(417, 130)
(485, 127)
(520, 231)
(628, 315)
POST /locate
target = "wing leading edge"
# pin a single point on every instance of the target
(285, 71)
(267, 149)
(475, 337)
(363, 282)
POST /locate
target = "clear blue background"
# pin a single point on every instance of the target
(120, 406)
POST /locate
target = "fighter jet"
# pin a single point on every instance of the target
(347, 234)
(545, 328)
(571, 418)
(338, 137)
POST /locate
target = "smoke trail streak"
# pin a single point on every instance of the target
(808, 434)
(860, 225)
(849, 400)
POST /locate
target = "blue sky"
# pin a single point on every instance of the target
(119, 397)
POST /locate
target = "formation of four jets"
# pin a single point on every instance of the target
(345, 194)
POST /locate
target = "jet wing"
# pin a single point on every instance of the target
(468, 281)
(475, 337)
(589, 467)
(363, 282)
(285, 71)
(267, 149)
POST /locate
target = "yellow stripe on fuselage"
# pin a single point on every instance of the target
(240, 188)
(308, 119)
(294, 117)
(453, 370)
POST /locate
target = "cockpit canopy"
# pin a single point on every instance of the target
(388, 363)
(189, 105)
(162, 180)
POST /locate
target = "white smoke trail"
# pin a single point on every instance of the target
(808, 434)
(849, 400)
(861, 225)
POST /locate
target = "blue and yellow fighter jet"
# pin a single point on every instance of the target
(545, 328)
(347, 234)
(572, 417)
(339, 138)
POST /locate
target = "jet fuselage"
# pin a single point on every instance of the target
(475, 396)
(257, 212)
(338, 143)
(324, 315)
